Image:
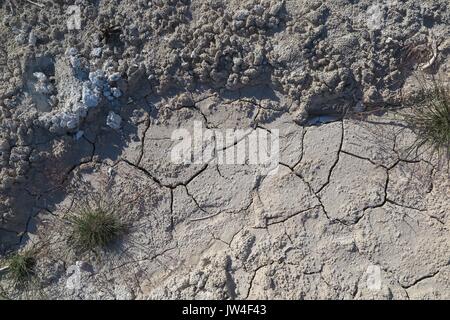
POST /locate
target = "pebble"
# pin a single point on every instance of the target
(114, 77)
(113, 120)
(78, 135)
(116, 92)
(96, 52)
(89, 97)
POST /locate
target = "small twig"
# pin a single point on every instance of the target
(434, 52)
(4, 268)
(40, 5)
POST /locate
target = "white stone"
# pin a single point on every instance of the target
(114, 77)
(89, 97)
(113, 120)
(97, 78)
(96, 52)
(40, 76)
(32, 39)
(78, 135)
(72, 51)
(116, 92)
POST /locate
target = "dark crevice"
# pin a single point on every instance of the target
(404, 206)
(305, 130)
(364, 158)
(141, 153)
(336, 160)
(416, 209)
(253, 279)
(289, 217)
(420, 279)
(74, 167)
(157, 181)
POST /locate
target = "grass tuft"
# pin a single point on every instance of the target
(21, 267)
(95, 226)
(429, 118)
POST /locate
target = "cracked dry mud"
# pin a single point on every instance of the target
(348, 197)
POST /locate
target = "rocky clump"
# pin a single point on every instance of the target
(224, 48)
(78, 94)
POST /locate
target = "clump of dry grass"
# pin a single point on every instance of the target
(95, 224)
(20, 267)
(429, 117)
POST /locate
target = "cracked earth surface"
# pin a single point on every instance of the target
(225, 232)
(348, 196)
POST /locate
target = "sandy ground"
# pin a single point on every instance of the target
(91, 94)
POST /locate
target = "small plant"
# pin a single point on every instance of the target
(95, 225)
(20, 267)
(429, 118)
